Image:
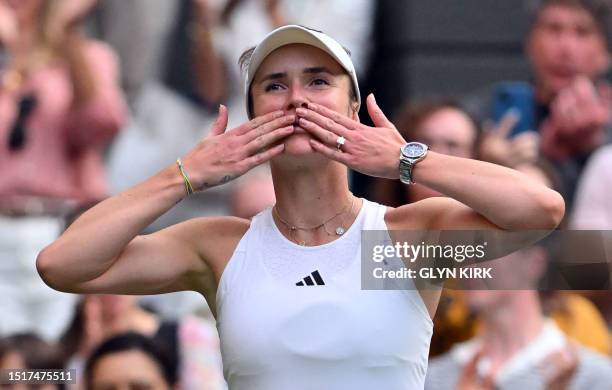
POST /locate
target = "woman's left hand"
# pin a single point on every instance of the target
(373, 151)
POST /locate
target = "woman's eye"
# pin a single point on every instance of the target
(320, 82)
(273, 87)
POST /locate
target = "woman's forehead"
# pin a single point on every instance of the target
(297, 57)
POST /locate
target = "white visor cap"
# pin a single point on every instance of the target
(288, 35)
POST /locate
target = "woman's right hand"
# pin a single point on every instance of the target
(223, 156)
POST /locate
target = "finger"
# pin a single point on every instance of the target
(269, 127)
(220, 124)
(260, 158)
(324, 122)
(325, 136)
(567, 109)
(507, 123)
(488, 127)
(337, 117)
(584, 91)
(256, 122)
(525, 138)
(376, 113)
(527, 148)
(332, 154)
(263, 141)
(555, 107)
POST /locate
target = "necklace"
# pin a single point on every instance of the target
(340, 230)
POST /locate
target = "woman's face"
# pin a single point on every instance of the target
(294, 75)
(448, 131)
(128, 370)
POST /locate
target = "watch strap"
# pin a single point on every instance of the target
(406, 171)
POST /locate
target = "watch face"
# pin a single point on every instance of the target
(413, 150)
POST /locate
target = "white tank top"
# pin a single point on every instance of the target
(294, 317)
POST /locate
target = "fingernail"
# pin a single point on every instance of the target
(311, 106)
(373, 97)
(301, 111)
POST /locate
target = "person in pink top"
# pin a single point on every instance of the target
(60, 106)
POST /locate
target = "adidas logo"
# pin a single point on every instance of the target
(308, 280)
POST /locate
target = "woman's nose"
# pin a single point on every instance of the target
(297, 99)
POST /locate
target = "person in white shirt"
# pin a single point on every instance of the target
(518, 347)
(593, 207)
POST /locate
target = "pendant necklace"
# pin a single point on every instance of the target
(340, 230)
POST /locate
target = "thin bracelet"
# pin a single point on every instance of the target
(188, 186)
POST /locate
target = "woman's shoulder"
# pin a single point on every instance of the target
(215, 238)
(224, 227)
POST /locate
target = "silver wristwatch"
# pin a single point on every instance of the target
(410, 154)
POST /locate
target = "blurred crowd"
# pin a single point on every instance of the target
(97, 95)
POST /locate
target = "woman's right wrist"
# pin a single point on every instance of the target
(171, 184)
(178, 179)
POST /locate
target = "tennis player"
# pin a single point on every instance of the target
(286, 287)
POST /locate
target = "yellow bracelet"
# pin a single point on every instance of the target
(188, 186)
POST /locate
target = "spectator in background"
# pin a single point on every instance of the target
(130, 361)
(191, 344)
(569, 102)
(593, 208)
(60, 106)
(139, 31)
(593, 211)
(28, 351)
(518, 348)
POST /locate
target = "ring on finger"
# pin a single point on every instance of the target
(340, 141)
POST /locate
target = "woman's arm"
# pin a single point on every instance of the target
(107, 235)
(102, 252)
(483, 195)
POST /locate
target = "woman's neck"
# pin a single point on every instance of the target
(309, 196)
